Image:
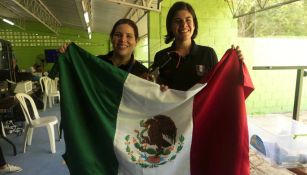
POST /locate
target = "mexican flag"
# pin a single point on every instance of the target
(117, 123)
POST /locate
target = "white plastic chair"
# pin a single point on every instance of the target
(54, 87)
(50, 90)
(42, 83)
(35, 121)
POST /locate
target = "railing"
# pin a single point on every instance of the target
(298, 87)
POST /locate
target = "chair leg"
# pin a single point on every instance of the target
(29, 135)
(58, 127)
(26, 137)
(50, 102)
(50, 129)
(45, 102)
(60, 130)
(2, 129)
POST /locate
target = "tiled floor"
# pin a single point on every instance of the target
(37, 160)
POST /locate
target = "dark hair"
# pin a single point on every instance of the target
(125, 21)
(170, 15)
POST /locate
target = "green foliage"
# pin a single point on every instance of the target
(173, 157)
(151, 151)
(166, 152)
(128, 149)
(181, 138)
(179, 148)
(138, 146)
(127, 137)
(286, 20)
(133, 158)
(142, 123)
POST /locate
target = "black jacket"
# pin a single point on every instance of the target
(134, 67)
(182, 73)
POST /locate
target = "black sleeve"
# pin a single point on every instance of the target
(156, 62)
(211, 60)
(160, 59)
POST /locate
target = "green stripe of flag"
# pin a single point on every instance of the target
(80, 75)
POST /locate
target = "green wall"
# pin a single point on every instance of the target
(141, 51)
(29, 44)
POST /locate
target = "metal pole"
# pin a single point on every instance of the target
(298, 93)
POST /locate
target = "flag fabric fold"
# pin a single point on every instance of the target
(117, 123)
(220, 131)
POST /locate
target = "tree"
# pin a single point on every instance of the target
(286, 20)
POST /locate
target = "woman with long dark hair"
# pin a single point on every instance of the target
(183, 63)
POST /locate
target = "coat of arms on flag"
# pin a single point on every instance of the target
(155, 143)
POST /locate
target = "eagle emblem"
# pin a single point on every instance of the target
(154, 143)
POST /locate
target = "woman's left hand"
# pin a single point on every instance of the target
(163, 88)
(239, 52)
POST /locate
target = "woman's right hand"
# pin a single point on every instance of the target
(63, 48)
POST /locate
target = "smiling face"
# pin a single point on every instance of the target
(183, 25)
(124, 41)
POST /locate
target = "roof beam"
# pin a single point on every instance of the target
(18, 22)
(138, 6)
(40, 12)
(135, 13)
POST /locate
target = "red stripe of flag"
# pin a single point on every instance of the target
(220, 134)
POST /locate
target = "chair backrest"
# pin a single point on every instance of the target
(49, 85)
(24, 100)
(42, 82)
(54, 85)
